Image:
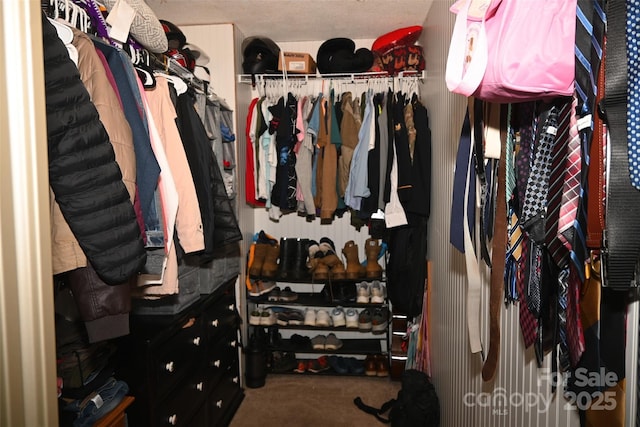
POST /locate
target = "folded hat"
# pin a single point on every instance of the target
(146, 27)
(401, 37)
(337, 56)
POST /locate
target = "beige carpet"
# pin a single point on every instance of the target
(313, 401)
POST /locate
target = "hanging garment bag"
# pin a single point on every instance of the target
(512, 51)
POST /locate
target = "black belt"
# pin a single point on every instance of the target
(621, 236)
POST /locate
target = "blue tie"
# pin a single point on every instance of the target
(633, 91)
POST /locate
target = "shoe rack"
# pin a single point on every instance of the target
(317, 323)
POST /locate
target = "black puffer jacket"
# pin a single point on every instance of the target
(83, 173)
(218, 216)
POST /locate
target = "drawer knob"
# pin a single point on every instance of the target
(235, 380)
(199, 386)
(233, 344)
(169, 367)
(214, 323)
(196, 341)
(216, 363)
(173, 420)
(232, 307)
(219, 403)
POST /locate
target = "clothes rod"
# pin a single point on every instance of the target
(351, 77)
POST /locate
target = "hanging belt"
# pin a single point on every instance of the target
(621, 237)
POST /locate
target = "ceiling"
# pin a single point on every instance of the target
(298, 20)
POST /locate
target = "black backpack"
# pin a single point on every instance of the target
(417, 404)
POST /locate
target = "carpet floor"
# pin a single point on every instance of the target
(313, 401)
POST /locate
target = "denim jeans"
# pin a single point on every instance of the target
(98, 403)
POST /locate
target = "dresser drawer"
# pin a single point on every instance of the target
(184, 403)
(175, 357)
(222, 317)
(224, 351)
(224, 399)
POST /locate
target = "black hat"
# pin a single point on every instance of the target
(337, 56)
(175, 36)
(260, 55)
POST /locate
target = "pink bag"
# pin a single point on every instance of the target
(512, 50)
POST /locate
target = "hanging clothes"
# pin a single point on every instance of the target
(84, 175)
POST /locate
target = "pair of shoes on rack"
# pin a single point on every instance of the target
(321, 364)
(264, 317)
(324, 264)
(260, 287)
(330, 342)
(376, 322)
(346, 365)
(284, 295)
(293, 259)
(319, 318)
(290, 317)
(374, 292)
(283, 361)
(263, 257)
(376, 365)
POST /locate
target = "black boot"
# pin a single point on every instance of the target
(287, 258)
(300, 270)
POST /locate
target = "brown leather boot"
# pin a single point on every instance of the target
(372, 250)
(317, 268)
(355, 270)
(270, 265)
(331, 260)
(259, 254)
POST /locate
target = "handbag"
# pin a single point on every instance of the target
(512, 50)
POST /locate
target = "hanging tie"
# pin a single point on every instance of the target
(526, 124)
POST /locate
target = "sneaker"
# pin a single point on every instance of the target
(274, 294)
(332, 342)
(354, 366)
(300, 342)
(379, 320)
(351, 316)
(323, 319)
(310, 317)
(267, 286)
(283, 361)
(302, 367)
(377, 292)
(362, 291)
(321, 364)
(295, 317)
(364, 320)
(338, 317)
(254, 317)
(282, 318)
(319, 342)
(254, 290)
(287, 295)
(338, 364)
(267, 317)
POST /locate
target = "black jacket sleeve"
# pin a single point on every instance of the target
(83, 173)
